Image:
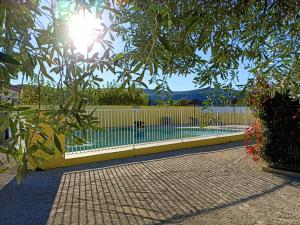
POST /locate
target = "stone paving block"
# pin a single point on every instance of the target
(199, 186)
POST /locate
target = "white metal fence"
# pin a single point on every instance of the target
(137, 126)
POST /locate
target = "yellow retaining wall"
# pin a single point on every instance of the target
(91, 157)
(43, 158)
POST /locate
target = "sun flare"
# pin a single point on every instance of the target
(84, 29)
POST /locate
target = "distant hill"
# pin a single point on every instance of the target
(198, 94)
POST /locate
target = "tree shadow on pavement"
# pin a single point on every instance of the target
(154, 189)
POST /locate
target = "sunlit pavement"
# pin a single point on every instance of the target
(210, 185)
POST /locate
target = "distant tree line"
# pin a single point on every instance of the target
(116, 96)
(112, 95)
(196, 102)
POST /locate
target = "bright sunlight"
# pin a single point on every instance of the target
(84, 29)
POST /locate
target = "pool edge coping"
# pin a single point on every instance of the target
(140, 150)
(140, 146)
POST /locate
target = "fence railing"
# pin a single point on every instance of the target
(138, 126)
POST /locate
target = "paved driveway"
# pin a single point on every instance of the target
(209, 185)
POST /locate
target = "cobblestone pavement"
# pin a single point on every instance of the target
(209, 185)
(10, 172)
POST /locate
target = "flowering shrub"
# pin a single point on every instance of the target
(254, 132)
(277, 128)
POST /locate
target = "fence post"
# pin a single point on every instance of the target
(217, 122)
(133, 128)
(245, 111)
(181, 125)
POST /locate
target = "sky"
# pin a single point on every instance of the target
(176, 82)
(180, 82)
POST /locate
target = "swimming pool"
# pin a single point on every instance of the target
(129, 136)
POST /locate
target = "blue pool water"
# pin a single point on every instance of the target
(126, 136)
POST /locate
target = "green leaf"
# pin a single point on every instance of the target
(57, 143)
(158, 18)
(46, 8)
(150, 68)
(38, 158)
(165, 42)
(44, 71)
(99, 79)
(32, 149)
(4, 150)
(29, 112)
(3, 122)
(136, 69)
(23, 108)
(3, 170)
(12, 126)
(110, 67)
(42, 134)
(5, 58)
(111, 36)
(45, 148)
(143, 84)
(106, 54)
(118, 57)
(78, 140)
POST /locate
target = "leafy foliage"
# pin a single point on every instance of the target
(278, 128)
(116, 96)
(41, 94)
(280, 116)
(111, 95)
(212, 39)
(40, 51)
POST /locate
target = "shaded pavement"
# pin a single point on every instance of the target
(208, 185)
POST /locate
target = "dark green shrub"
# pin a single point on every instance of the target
(277, 128)
(280, 116)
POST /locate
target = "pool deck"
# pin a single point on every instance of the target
(208, 185)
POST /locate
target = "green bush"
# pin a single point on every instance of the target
(43, 94)
(116, 96)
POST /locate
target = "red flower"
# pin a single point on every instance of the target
(255, 158)
(254, 131)
(250, 149)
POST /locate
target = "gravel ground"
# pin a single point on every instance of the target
(209, 185)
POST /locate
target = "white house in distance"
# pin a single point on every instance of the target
(12, 95)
